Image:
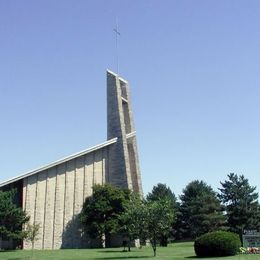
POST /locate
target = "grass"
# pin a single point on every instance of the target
(173, 251)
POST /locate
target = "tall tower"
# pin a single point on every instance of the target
(124, 170)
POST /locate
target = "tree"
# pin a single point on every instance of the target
(241, 203)
(100, 212)
(32, 232)
(200, 211)
(147, 220)
(159, 219)
(12, 217)
(162, 192)
(133, 220)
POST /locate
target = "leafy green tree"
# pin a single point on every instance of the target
(159, 216)
(133, 220)
(12, 217)
(147, 220)
(32, 233)
(100, 212)
(241, 203)
(200, 211)
(162, 192)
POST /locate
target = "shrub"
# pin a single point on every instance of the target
(218, 243)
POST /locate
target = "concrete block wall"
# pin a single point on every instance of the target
(118, 156)
(123, 159)
(54, 197)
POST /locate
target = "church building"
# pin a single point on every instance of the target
(53, 195)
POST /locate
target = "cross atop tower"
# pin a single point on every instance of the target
(117, 33)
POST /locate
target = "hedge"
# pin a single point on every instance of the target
(218, 243)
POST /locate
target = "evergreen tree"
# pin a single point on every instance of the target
(200, 211)
(241, 203)
(161, 191)
(12, 218)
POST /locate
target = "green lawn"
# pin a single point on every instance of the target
(174, 251)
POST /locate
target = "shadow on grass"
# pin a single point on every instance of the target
(126, 256)
(112, 251)
(15, 258)
(7, 251)
(206, 257)
(123, 257)
(18, 258)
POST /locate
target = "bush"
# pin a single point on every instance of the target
(218, 243)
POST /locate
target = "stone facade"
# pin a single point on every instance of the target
(123, 162)
(53, 195)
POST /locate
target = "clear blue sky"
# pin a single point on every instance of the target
(194, 70)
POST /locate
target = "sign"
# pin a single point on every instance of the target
(251, 238)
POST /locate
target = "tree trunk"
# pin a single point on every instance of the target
(108, 240)
(154, 250)
(164, 241)
(124, 244)
(129, 244)
(154, 246)
(103, 240)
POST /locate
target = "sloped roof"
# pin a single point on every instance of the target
(68, 158)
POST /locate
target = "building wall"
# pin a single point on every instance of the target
(53, 199)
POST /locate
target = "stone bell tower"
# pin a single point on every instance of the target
(124, 170)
